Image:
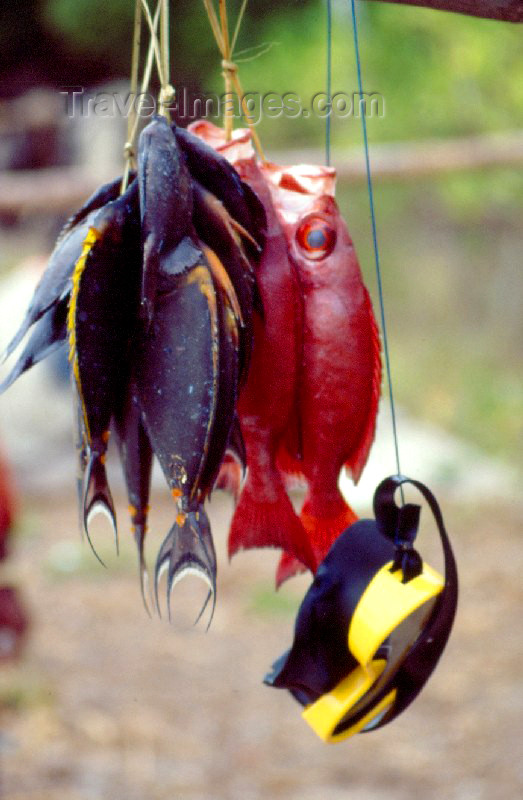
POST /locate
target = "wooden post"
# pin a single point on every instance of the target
(506, 10)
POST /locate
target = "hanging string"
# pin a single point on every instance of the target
(238, 25)
(375, 241)
(129, 145)
(329, 85)
(167, 92)
(139, 100)
(154, 40)
(227, 73)
(230, 69)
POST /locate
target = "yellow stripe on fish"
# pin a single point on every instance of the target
(93, 236)
(220, 274)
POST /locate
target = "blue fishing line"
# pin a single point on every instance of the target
(375, 236)
(329, 84)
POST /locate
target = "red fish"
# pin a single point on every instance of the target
(340, 374)
(314, 382)
(264, 515)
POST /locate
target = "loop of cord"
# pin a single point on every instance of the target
(229, 67)
(167, 95)
(128, 150)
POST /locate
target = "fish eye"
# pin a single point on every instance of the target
(316, 238)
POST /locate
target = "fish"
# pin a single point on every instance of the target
(214, 172)
(187, 366)
(264, 515)
(49, 333)
(215, 227)
(55, 284)
(100, 323)
(156, 291)
(177, 379)
(339, 379)
(165, 206)
(136, 457)
(310, 402)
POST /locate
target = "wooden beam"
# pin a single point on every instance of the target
(505, 10)
(403, 161)
(62, 189)
(55, 190)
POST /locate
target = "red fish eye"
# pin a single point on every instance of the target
(316, 238)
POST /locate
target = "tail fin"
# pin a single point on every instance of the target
(17, 338)
(262, 522)
(321, 532)
(48, 335)
(229, 477)
(139, 531)
(288, 567)
(188, 549)
(97, 498)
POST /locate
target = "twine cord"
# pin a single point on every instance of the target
(375, 244)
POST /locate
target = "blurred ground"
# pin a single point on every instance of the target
(110, 704)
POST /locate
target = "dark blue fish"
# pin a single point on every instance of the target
(101, 322)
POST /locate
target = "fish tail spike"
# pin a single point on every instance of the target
(188, 549)
(139, 530)
(268, 520)
(97, 498)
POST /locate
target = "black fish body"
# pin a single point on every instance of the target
(101, 322)
(55, 283)
(215, 227)
(136, 456)
(48, 335)
(227, 389)
(218, 176)
(177, 379)
(100, 197)
(165, 202)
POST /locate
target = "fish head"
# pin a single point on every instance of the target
(317, 236)
(165, 185)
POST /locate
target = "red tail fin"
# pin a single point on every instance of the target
(322, 532)
(229, 477)
(288, 567)
(260, 521)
